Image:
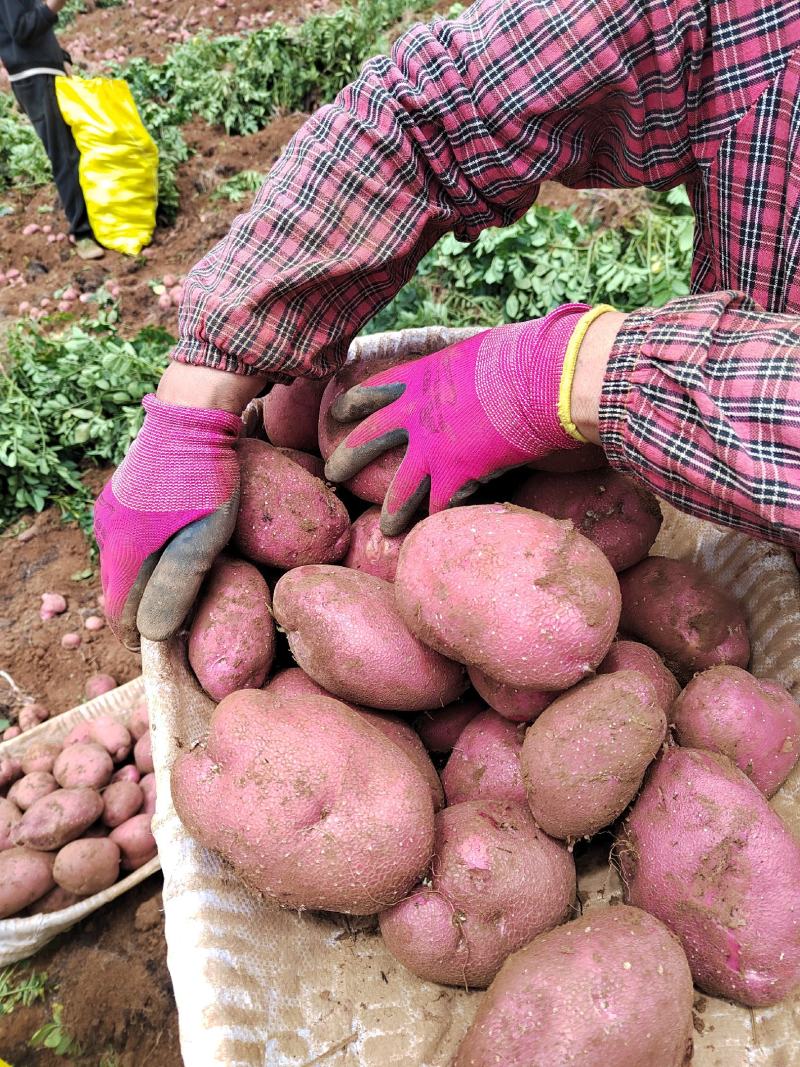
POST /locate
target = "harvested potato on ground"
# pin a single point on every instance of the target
(344, 630)
(139, 721)
(517, 594)
(98, 684)
(88, 865)
(584, 758)
(337, 819)
(634, 656)
(291, 413)
(27, 790)
(518, 705)
(40, 756)
(111, 735)
(83, 765)
(232, 636)
(56, 900)
(10, 815)
(370, 550)
(496, 882)
(52, 821)
(755, 723)
(31, 715)
(287, 517)
(440, 729)
(135, 841)
(672, 606)
(569, 460)
(121, 801)
(143, 754)
(313, 464)
(618, 515)
(703, 851)
(610, 989)
(485, 762)
(25, 875)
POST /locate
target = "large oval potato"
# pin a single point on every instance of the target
(121, 801)
(703, 851)
(496, 882)
(291, 413)
(610, 989)
(57, 818)
(337, 818)
(519, 595)
(25, 875)
(672, 606)
(232, 636)
(485, 762)
(345, 631)
(28, 789)
(287, 517)
(584, 758)
(634, 656)
(87, 865)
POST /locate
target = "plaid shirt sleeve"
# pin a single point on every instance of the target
(454, 132)
(701, 401)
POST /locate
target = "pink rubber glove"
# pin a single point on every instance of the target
(467, 413)
(167, 512)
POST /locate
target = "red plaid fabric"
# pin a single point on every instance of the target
(457, 130)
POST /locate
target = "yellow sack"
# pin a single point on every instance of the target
(119, 160)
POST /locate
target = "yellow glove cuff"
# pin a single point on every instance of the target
(568, 373)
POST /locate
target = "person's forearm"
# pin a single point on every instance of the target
(201, 387)
(590, 370)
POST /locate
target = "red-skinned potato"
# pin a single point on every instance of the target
(673, 607)
(88, 865)
(569, 460)
(135, 841)
(139, 721)
(485, 762)
(518, 705)
(80, 734)
(232, 636)
(129, 772)
(755, 723)
(143, 754)
(291, 413)
(31, 715)
(56, 900)
(313, 464)
(40, 756)
(344, 630)
(30, 788)
(634, 656)
(98, 684)
(610, 989)
(10, 815)
(111, 735)
(10, 770)
(287, 517)
(584, 758)
(341, 823)
(83, 765)
(702, 850)
(440, 729)
(148, 787)
(621, 517)
(25, 875)
(496, 882)
(121, 801)
(519, 595)
(57, 818)
(370, 550)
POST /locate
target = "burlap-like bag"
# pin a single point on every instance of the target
(259, 986)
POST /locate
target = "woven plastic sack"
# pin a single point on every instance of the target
(119, 160)
(257, 986)
(22, 937)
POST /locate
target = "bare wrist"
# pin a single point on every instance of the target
(203, 387)
(590, 370)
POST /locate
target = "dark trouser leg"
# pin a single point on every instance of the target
(37, 98)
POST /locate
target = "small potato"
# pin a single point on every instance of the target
(139, 721)
(485, 762)
(610, 989)
(672, 606)
(31, 715)
(52, 821)
(370, 550)
(27, 790)
(313, 464)
(148, 786)
(25, 875)
(584, 758)
(40, 756)
(143, 754)
(83, 765)
(87, 866)
(291, 413)
(517, 705)
(80, 734)
(10, 815)
(439, 730)
(129, 772)
(98, 684)
(755, 723)
(111, 735)
(135, 840)
(633, 656)
(232, 636)
(10, 770)
(121, 801)
(56, 900)
(496, 882)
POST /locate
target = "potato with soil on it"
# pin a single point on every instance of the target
(135, 841)
(30, 788)
(87, 865)
(98, 684)
(337, 819)
(40, 756)
(313, 464)
(702, 850)
(370, 550)
(344, 630)
(139, 720)
(610, 989)
(634, 656)
(291, 413)
(59, 817)
(25, 875)
(675, 608)
(232, 636)
(570, 460)
(10, 770)
(148, 787)
(485, 762)
(755, 723)
(83, 765)
(287, 517)
(520, 596)
(496, 882)
(10, 815)
(31, 715)
(518, 705)
(111, 735)
(441, 728)
(121, 801)
(584, 758)
(143, 754)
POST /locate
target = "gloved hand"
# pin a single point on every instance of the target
(167, 512)
(467, 413)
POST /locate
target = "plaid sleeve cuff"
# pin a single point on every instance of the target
(201, 354)
(618, 385)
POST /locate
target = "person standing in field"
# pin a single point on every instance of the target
(33, 59)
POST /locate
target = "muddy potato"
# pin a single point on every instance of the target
(518, 705)
(87, 865)
(441, 728)
(25, 875)
(485, 762)
(135, 841)
(291, 413)
(28, 789)
(40, 756)
(634, 656)
(10, 815)
(57, 818)
(83, 765)
(121, 801)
